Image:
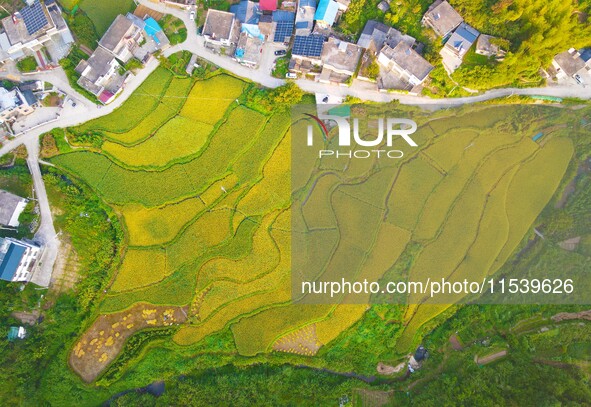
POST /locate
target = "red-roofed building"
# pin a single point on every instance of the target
(105, 96)
(268, 5)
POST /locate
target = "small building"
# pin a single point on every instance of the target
(16, 332)
(100, 75)
(247, 12)
(326, 13)
(573, 64)
(383, 6)
(221, 28)
(376, 34)
(268, 5)
(442, 18)
(402, 68)
(14, 104)
(11, 207)
(18, 259)
(486, 46)
(421, 353)
(304, 21)
(306, 54)
(457, 46)
(250, 45)
(36, 28)
(340, 60)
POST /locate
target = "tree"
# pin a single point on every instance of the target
(285, 96)
(373, 70)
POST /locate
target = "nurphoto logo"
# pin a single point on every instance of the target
(387, 128)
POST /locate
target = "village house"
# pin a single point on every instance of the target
(326, 13)
(304, 21)
(442, 18)
(457, 46)
(340, 60)
(100, 75)
(306, 54)
(221, 29)
(16, 103)
(250, 44)
(11, 207)
(18, 259)
(402, 68)
(573, 64)
(486, 46)
(128, 37)
(37, 30)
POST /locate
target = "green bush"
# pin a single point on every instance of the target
(27, 64)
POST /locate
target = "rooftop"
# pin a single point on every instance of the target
(375, 34)
(99, 62)
(268, 5)
(442, 17)
(308, 46)
(116, 32)
(10, 204)
(408, 59)
(570, 61)
(246, 11)
(11, 261)
(341, 55)
(218, 24)
(327, 11)
(462, 39)
(27, 24)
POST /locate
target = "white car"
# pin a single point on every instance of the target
(192, 15)
(290, 75)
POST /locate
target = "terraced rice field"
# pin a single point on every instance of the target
(202, 185)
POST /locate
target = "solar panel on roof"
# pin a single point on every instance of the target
(34, 17)
(309, 46)
(283, 30)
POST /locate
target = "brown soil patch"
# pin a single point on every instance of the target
(388, 370)
(565, 316)
(304, 341)
(27, 317)
(103, 341)
(65, 271)
(570, 244)
(48, 146)
(455, 342)
(142, 11)
(490, 358)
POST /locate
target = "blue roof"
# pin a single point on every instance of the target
(467, 32)
(247, 12)
(327, 11)
(307, 3)
(283, 15)
(152, 27)
(301, 24)
(11, 261)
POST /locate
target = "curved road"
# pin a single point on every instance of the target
(86, 110)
